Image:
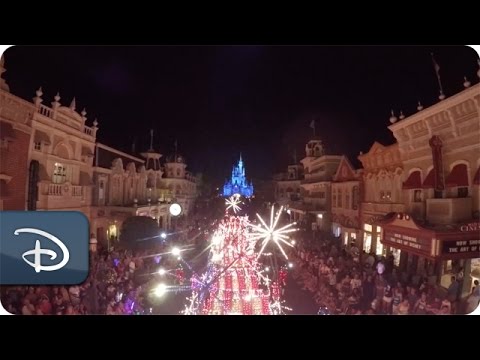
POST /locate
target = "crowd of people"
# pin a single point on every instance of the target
(344, 281)
(118, 283)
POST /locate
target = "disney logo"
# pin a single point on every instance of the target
(38, 251)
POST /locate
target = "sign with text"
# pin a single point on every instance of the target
(474, 226)
(469, 248)
(407, 241)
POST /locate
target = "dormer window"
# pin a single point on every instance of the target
(37, 145)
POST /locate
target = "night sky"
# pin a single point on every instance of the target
(219, 101)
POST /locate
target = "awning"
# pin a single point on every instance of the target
(41, 136)
(4, 191)
(414, 181)
(476, 179)
(86, 151)
(429, 182)
(458, 176)
(42, 173)
(6, 131)
(85, 179)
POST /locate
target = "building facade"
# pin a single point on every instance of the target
(15, 133)
(381, 194)
(319, 169)
(440, 151)
(179, 185)
(346, 196)
(59, 153)
(63, 147)
(126, 186)
(287, 186)
(238, 183)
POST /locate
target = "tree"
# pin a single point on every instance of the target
(139, 232)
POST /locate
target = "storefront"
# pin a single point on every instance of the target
(347, 229)
(372, 236)
(438, 252)
(459, 252)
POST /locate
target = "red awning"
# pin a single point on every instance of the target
(458, 176)
(429, 182)
(4, 191)
(6, 131)
(414, 181)
(476, 179)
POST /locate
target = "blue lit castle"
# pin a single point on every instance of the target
(238, 184)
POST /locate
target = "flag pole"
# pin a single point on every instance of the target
(437, 71)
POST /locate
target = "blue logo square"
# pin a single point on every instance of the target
(43, 247)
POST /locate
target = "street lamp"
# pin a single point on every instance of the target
(163, 235)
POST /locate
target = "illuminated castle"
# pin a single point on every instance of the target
(238, 184)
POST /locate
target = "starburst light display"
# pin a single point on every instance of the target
(270, 233)
(233, 203)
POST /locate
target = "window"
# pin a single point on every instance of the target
(417, 195)
(59, 174)
(37, 145)
(379, 250)
(462, 192)
(355, 198)
(396, 256)
(438, 194)
(322, 194)
(101, 189)
(347, 201)
(367, 242)
(339, 198)
(178, 172)
(334, 199)
(367, 227)
(379, 229)
(388, 196)
(382, 196)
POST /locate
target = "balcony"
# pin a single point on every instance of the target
(383, 208)
(64, 190)
(62, 196)
(449, 211)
